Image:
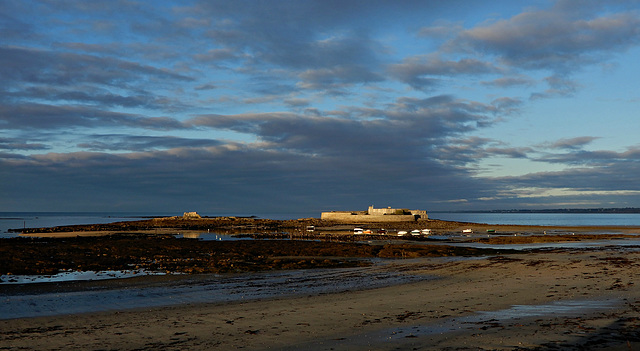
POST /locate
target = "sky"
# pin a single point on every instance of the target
(306, 106)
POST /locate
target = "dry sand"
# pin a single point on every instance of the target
(596, 304)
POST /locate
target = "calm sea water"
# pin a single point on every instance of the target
(17, 220)
(551, 219)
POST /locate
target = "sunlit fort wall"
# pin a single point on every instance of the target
(376, 215)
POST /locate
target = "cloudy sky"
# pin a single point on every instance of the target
(302, 106)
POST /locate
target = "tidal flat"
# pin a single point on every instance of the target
(312, 291)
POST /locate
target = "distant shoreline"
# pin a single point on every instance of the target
(629, 210)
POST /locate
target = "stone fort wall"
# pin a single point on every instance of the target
(363, 218)
(376, 215)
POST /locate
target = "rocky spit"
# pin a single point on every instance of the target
(152, 245)
(241, 224)
(168, 254)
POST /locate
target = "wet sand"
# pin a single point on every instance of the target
(583, 297)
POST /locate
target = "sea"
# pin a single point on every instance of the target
(544, 219)
(18, 220)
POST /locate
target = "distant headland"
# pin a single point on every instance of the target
(555, 210)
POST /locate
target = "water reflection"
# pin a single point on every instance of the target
(207, 236)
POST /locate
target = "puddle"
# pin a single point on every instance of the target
(205, 236)
(72, 276)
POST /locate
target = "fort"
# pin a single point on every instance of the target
(376, 215)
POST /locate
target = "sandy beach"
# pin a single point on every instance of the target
(564, 300)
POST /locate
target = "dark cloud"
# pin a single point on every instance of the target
(230, 177)
(595, 178)
(572, 143)
(595, 158)
(558, 87)
(441, 30)
(297, 102)
(512, 152)
(12, 28)
(320, 40)
(217, 55)
(617, 172)
(20, 144)
(111, 49)
(510, 82)
(337, 77)
(206, 87)
(90, 95)
(425, 72)
(560, 41)
(412, 125)
(26, 65)
(507, 105)
(118, 142)
(381, 153)
(270, 86)
(472, 150)
(29, 116)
